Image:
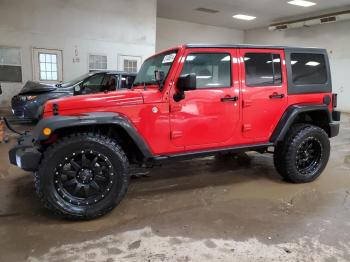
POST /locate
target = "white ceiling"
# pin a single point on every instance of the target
(266, 11)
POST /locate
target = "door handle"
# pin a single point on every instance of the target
(229, 99)
(276, 95)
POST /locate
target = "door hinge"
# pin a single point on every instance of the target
(175, 134)
(247, 127)
(175, 107)
(247, 103)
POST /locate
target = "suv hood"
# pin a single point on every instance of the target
(100, 100)
(36, 87)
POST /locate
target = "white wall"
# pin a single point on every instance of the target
(110, 27)
(335, 37)
(172, 33)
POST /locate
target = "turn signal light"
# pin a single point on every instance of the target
(47, 131)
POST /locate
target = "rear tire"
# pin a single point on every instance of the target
(82, 176)
(303, 155)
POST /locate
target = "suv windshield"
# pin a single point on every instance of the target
(161, 62)
(74, 81)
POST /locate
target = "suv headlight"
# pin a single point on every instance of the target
(27, 98)
(30, 98)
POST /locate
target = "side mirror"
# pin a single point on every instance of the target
(0, 90)
(159, 76)
(185, 83)
(77, 89)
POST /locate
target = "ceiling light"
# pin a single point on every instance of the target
(302, 3)
(312, 63)
(244, 17)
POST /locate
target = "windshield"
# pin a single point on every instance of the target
(161, 62)
(75, 81)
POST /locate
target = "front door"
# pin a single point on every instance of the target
(208, 115)
(264, 90)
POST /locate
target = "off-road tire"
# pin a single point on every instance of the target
(286, 153)
(56, 153)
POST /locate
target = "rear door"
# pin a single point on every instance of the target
(264, 90)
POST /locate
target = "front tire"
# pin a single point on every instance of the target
(303, 155)
(82, 176)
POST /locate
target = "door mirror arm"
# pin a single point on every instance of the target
(159, 76)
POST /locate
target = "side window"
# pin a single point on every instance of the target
(263, 69)
(308, 69)
(213, 70)
(127, 81)
(93, 84)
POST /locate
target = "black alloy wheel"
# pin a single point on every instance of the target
(84, 177)
(309, 155)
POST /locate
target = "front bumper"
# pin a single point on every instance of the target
(25, 154)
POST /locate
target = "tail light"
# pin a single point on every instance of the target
(335, 100)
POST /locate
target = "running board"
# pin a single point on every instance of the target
(211, 152)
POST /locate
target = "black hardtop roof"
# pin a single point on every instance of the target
(254, 47)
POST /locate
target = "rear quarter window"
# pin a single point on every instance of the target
(308, 69)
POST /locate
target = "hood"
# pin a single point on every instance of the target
(100, 100)
(36, 87)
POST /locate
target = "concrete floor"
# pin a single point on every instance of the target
(199, 210)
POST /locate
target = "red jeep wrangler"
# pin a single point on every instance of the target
(186, 102)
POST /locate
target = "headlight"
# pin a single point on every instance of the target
(27, 98)
(30, 98)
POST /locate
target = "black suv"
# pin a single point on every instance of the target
(33, 95)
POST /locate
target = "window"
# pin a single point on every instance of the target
(130, 66)
(263, 69)
(93, 84)
(127, 81)
(308, 69)
(129, 63)
(161, 62)
(10, 64)
(211, 69)
(48, 67)
(97, 62)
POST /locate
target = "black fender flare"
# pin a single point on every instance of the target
(96, 118)
(291, 114)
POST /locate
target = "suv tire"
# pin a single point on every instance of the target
(303, 155)
(82, 176)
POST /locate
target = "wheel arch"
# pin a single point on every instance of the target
(318, 115)
(113, 125)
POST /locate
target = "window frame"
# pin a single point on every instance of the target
(310, 88)
(14, 65)
(324, 64)
(273, 84)
(210, 52)
(96, 69)
(137, 58)
(46, 71)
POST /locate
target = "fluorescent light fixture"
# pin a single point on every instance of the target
(294, 62)
(312, 63)
(244, 17)
(203, 77)
(276, 60)
(246, 58)
(190, 58)
(226, 58)
(302, 3)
